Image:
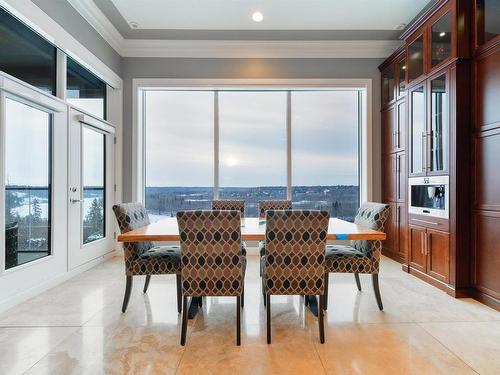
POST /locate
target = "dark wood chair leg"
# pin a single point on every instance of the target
(358, 283)
(268, 318)
(321, 322)
(200, 301)
(376, 289)
(128, 290)
(325, 296)
(179, 293)
(238, 320)
(242, 303)
(263, 291)
(184, 320)
(146, 283)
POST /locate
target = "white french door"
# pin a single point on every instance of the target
(91, 188)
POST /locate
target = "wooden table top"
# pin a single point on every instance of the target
(252, 229)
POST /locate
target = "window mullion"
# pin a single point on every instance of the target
(289, 144)
(216, 145)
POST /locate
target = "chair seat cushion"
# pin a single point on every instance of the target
(346, 259)
(159, 260)
(262, 248)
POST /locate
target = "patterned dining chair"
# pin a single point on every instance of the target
(294, 259)
(264, 206)
(144, 258)
(212, 264)
(232, 204)
(361, 256)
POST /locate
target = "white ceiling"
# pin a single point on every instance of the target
(278, 14)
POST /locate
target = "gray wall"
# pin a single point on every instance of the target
(66, 16)
(247, 68)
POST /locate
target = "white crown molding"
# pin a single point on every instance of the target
(231, 48)
(260, 49)
(99, 22)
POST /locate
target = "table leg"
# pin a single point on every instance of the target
(193, 307)
(312, 304)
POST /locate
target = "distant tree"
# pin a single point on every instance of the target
(12, 201)
(36, 211)
(94, 218)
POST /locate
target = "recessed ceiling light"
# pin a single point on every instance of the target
(257, 16)
(442, 34)
(134, 25)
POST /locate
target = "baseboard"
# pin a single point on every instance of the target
(397, 257)
(32, 292)
(436, 283)
(486, 299)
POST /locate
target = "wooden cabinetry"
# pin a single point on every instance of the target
(429, 252)
(394, 181)
(485, 239)
(432, 110)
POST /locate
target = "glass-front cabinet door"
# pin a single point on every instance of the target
(416, 58)
(439, 125)
(401, 66)
(441, 39)
(388, 85)
(418, 132)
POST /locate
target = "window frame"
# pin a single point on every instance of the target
(363, 86)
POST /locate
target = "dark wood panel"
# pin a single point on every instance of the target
(389, 130)
(487, 69)
(401, 177)
(416, 255)
(403, 231)
(487, 176)
(438, 254)
(391, 242)
(400, 125)
(389, 178)
(487, 253)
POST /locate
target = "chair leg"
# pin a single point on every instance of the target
(146, 283)
(263, 292)
(321, 322)
(242, 302)
(238, 320)
(376, 289)
(325, 295)
(200, 301)
(128, 289)
(184, 320)
(268, 318)
(358, 283)
(179, 293)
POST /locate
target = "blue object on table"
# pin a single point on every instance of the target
(341, 236)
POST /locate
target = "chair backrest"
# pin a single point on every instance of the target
(211, 253)
(273, 205)
(295, 251)
(131, 216)
(372, 215)
(229, 204)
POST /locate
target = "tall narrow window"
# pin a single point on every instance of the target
(27, 183)
(325, 151)
(26, 55)
(85, 90)
(179, 151)
(252, 144)
(94, 193)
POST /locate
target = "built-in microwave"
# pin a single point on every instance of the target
(429, 196)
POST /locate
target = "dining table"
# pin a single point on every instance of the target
(252, 229)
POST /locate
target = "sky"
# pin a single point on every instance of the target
(252, 138)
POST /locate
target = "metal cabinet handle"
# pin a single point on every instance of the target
(424, 149)
(75, 200)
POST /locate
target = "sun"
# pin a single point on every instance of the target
(231, 161)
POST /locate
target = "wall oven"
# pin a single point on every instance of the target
(429, 196)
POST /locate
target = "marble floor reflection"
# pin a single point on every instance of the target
(78, 328)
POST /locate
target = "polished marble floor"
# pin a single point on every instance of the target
(77, 328)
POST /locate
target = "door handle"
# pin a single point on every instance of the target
(424, 148)
(75, 200)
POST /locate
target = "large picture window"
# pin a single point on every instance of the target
(179, 151)
(27, 183)
(252, 145)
